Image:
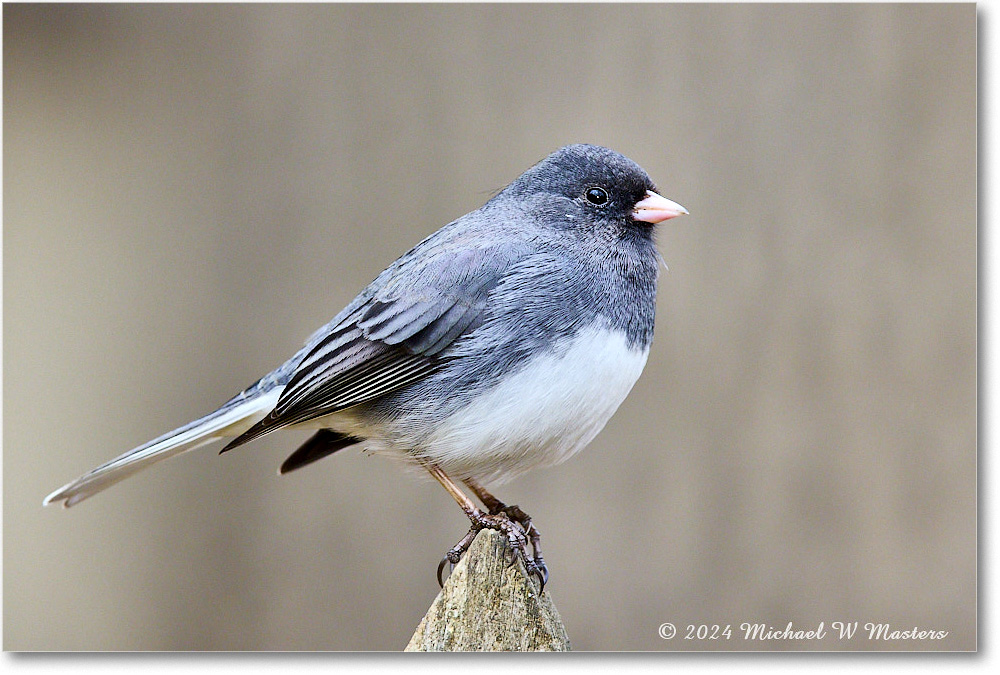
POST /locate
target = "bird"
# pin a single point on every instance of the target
(501, 343)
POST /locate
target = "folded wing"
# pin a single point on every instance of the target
(397, 337)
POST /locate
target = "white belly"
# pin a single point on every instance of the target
(541, 415)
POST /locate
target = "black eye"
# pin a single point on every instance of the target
(596, 195)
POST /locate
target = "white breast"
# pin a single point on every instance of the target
(541, 415)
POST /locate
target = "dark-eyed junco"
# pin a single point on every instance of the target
(502, 342)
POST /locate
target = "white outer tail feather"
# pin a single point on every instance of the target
(220, 424)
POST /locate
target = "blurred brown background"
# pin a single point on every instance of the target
(189, 191)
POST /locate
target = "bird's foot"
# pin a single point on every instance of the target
(515, 513)
(517, 534)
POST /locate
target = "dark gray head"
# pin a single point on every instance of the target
(592, 188)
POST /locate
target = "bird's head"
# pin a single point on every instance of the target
(590, 187)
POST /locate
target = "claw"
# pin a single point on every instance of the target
(542, 570)
(541, 574)
(536, 568)
(454, 554)
(441, 569)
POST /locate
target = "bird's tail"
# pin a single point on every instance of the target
(231, 419)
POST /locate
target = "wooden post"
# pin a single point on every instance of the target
(490, 604)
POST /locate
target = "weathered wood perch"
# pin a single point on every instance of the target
(490, 604)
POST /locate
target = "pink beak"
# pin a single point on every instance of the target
(655, 209)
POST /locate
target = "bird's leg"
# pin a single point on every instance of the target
(494, 521)
(515, 513)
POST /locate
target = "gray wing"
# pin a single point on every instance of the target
(394, 334)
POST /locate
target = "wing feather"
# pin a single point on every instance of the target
(392, 337)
